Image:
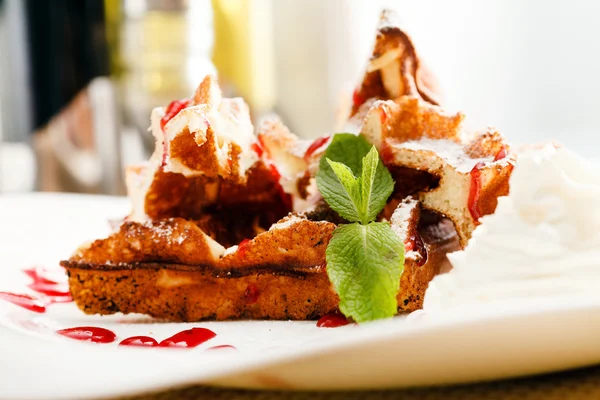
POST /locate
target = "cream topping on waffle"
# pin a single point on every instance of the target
(230, 123)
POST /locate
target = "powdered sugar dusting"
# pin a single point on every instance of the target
(163, 232)
(452, 152)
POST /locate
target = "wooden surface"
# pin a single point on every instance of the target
(576, 384)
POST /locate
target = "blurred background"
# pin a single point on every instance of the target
(78, 78)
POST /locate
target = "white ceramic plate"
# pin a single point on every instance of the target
(504, 341)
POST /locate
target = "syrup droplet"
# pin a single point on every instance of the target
(383, 116)
(387, 155)
(257, 148)
(243, 247)
(501, 154)
(475, 191)
(415, 242)
(188, 338)
(141, 341)
(26, 301)
(286, 199)
(89, 334)
(332, 320)
(274, 172)
(316, 145)
(357, 99)
(172, 110)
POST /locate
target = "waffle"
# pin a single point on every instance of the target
(462, 175)
(431, 155)
(395, 68)
(173, 270)
(228, 225)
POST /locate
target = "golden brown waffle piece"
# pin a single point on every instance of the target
(200, 143)
(425, 147)
(467, 174)
(395, 68)
(155, 269)
(212, 137)
(157, 194)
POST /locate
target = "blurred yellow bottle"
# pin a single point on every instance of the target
(160, 51)
(243, 51)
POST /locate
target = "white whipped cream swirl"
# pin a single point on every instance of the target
(543, 239)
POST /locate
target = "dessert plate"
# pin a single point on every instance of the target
(465, 345)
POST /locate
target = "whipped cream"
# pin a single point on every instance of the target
(542, 240)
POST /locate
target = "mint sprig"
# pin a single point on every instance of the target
(364, 263)
(365, 259)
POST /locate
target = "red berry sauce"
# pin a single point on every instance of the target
(316, 145)
(286, 198)
(475, 191)
(188, 338)
(415, 242)
(50, 284)
(139, 341)
(243, 247)
(24, 300)
(332, 320)
(89, 334)
(357, 99)
(257, 148)
(223, 346)
(502, 153)
(173, 109)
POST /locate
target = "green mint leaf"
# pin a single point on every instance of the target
(350, 150)
(364, 264)
(345, 196)
(377, 185)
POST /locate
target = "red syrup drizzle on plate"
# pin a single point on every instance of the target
(139, 341)
(51, 285)
(89, 334)
(43, 275)
(50, 289)
(26, 301)
(332, 320)
(223, 346)
(188, 338)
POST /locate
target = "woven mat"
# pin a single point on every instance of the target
(576, 384)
